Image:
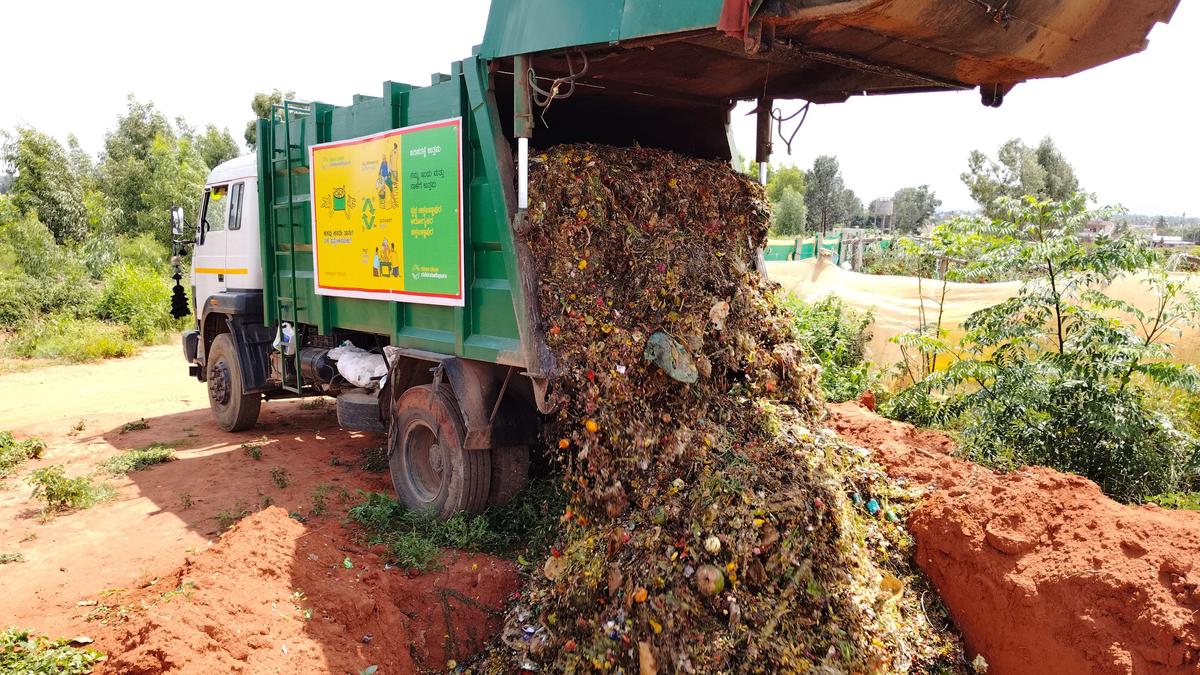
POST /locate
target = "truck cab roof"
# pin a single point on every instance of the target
(245, 166)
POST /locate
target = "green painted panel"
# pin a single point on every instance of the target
(522, 26)
(487, 327)
(655, 17)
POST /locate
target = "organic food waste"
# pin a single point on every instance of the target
(712, 527)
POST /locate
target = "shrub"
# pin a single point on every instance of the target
(60, 492)
(136, 460)
(1057, 374)
(137, 298)
(23, 652)
(837, 337)
(63, 337)
(14, 453)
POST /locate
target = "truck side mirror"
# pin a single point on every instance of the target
(177, 221)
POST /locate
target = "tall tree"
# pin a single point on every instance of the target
(1019, 170)
(146, 168)
(790, 213)
(914, 208)
(783, 178)
(854, 214)
(215, 145)
(823, 194)
(43, 183)
(261, 105)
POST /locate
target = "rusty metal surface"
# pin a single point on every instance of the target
(827, 51)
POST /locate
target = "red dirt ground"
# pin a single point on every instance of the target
(1041, 571)
(134, 554)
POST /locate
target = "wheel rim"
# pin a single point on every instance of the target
(424, 461)
(218, 383)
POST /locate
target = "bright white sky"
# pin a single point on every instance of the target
(1130, 127)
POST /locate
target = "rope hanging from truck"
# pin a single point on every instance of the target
(544, 97)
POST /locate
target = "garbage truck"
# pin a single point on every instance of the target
(375, 251)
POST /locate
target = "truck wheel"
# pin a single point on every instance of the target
(234, 409)
(430, 469)
(510, 470)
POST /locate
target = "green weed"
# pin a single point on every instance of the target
(139, 425)
(252, 450)
(66, 338)
(1189, 501)
(60, 492)
(14, 453)
(314, 403)
(6, 558)
(136, 460)
(228, 517)
(23, 652)
(185, 500)
(320, 497)
(523, 526)
(279, 476)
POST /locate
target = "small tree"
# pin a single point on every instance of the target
(1019, 170)
(1054, 375)
(790, 213)
(823, 194)
(914, 208)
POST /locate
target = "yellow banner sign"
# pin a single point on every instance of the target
(387, 215)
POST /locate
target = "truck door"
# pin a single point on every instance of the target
(208, 262)
(243, 247)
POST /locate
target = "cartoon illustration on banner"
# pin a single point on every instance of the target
(387, 215)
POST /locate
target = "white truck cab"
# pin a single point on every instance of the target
(228, 245)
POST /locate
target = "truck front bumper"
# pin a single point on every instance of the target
(191, 344)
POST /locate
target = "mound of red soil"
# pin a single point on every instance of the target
(1041, 571)
(275, 596)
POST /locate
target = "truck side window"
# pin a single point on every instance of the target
(216, 211)
(235, 206)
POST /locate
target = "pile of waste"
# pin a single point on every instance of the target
(711, 527)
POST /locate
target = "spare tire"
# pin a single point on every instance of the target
(358, 410)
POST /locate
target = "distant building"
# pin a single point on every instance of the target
(6, 180)
(882, 215)
(1167, 240)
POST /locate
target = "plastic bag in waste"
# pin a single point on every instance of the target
(668, 354)
(359, 366)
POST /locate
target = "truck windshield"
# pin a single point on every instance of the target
(216, 209)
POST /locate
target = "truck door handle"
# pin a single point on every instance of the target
(220, 277)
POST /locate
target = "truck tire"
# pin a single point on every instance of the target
(234, 409)
(431, 471)
(358, 410)
(510, 471)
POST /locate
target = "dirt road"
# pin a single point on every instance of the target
(110, 571)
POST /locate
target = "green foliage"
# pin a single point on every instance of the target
(914, 208)
(1053, 375)
(8, 558)
(227, 518)
(837, 336)
(790, 213)
(61, 492)
(147, 167)
(23, 653)
(824, 194)
(66, 338)
(854, 214)
(414, 539)
(44, 184)
(1020, 170)
(1189, 501)
(320, 497)
(14, 453)
(215, 146)
(138, 459)
(252, 450)
(279, 476)
(781, 180)
(261, 105)
(137, 298)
